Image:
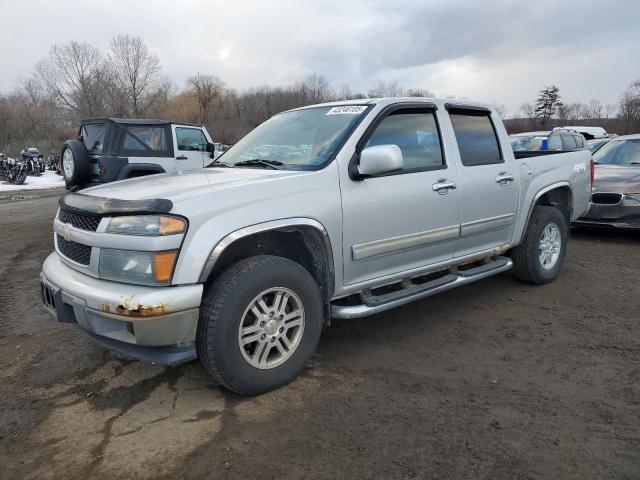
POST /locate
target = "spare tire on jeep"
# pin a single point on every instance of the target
(76, 166)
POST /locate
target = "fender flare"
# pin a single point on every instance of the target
(536, 197)
(285, 224)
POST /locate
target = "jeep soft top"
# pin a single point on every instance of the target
(107, 149)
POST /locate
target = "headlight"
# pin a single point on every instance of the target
(141, 268)
(147, 225)
(633, 196)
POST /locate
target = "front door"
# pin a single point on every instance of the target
(190, 147)
(487, 183)
(402, 221)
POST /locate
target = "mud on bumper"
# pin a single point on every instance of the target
(156, 324)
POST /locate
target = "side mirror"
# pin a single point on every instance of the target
(379, 160)
(211, 148)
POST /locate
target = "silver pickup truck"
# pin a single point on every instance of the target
(338, 210)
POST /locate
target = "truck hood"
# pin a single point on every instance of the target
(617, 178)
(184, 187)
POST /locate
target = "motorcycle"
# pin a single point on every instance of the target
(32, 158)
(50, 162)
(12, 171)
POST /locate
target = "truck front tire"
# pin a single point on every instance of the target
(539, 257)
(260, 322)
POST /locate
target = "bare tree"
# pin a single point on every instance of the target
(610, 110)
(629, 110)
(315, 89)
(382, 89)
(207, 89)
(135, 70)
(418, 92)
(73, 74)
(501, 108)
(527, 110)
(346, 93)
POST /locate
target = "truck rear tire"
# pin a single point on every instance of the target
(539, 257)
(75, 163)
(260, 322)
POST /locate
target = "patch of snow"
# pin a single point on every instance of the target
(49, 179)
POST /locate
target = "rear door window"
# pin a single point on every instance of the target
(93, 135)
(476, 137)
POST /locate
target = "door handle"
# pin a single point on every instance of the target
(442, 186)
(503, 178)
(182, 157)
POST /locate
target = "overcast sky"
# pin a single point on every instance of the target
(489, 50)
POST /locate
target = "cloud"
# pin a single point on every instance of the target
(490, 50)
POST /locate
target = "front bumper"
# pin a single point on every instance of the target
(625, 214)
(155, 324)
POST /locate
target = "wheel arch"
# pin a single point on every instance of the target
(302, 240)
(559, 195)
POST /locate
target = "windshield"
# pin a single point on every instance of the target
(298, 140)
(618, 152)
(533, 143)
(596, 144)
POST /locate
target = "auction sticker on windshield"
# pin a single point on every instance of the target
(347, 109)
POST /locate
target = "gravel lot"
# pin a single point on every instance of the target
(494, 380)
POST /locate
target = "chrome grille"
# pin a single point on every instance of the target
(75, 251)
(83, 221)
(606, 198)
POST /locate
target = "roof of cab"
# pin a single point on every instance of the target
(137, 121)
(539, 133)
(439, 102)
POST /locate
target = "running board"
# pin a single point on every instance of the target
(381, 303)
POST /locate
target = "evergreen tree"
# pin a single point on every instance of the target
(548, 103)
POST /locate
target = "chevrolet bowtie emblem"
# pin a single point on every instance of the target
(65, 231)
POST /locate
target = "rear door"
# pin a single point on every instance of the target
(190, 147)
(487, 182)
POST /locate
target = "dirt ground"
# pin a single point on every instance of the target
(496, 380)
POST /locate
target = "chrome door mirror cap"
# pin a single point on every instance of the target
(380, 159)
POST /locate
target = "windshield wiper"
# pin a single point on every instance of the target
(218, 163)
(261, 162)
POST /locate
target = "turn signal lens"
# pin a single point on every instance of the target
(164, 263)
(172, 225)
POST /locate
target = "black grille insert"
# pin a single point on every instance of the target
(82, 221)
(606, 198)
(74, 251)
